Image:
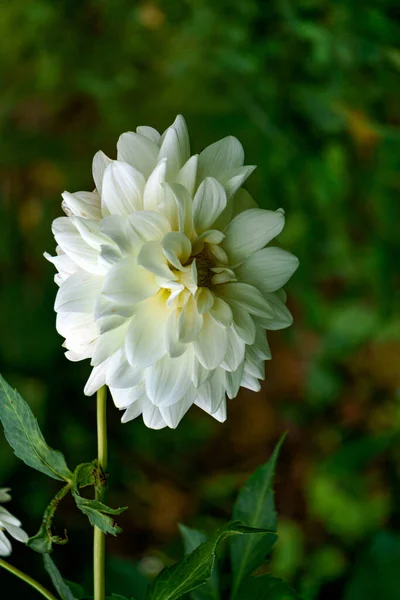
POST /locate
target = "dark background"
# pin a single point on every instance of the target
(311, 88)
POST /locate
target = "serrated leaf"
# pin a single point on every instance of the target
(25, 438)
(191, 572)
(84, 475)
(266, 588)
(192, 539)
(56, 577)
(99, 514)
(256, 508)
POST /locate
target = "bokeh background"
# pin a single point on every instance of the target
(311, 88)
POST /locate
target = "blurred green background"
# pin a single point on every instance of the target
(311, 88)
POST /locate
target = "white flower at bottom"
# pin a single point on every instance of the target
(9, 524)
(165, 281)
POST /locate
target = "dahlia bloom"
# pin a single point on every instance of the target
(10, 524)
(165, 281)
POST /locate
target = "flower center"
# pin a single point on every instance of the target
(204, 273)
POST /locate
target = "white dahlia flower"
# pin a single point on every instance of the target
(10, 524)
(165, 281)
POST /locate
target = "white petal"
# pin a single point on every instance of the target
(233, 183)
(268, 269)
(190, 322)
(211, 343)
(246, 296)
(249, 382)
(115, 228)
(233, 380)
(132, 412)
(5, 545)
(17, 533)
(173, 346)
(243, 323)
(183, 138)
(199, 373)
(145, 340)
(152, 417)
(168, 380)
(254, 365)
(221, 415)
(6, 518)
(72, 243)
(211, 394)
(188, 173)
(108, 343)
(178, 195)
(170, 150)
(152, 258)
(120, 374)
(150, 133)
(4, 494)
(205, 300)
(96, 380)
(138, 151)
(251, 230)
(148, 226)
(127, 283)
(242, 201)
(100, 164)
(125, 397)
(176, 248)
(173, 415)
(82, 204)
(282, 317)
(78, 293)
(261, 343)
(221, 312)
(79, 329)
(208, 204)
(123, 188)
(154, 192)
(109, 315)
(211, 236)
(89, 231)
(64, 264)
(235, 352)
(220, 157)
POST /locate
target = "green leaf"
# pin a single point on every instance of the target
(191, 572)
(84, 475)
(192, 539)
(58, 582)
(266, 588)
(25, 438)
(76, 589)
(99, 514)
(124, 576)
(256, 508)
(376, 573)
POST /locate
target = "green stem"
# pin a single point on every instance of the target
(32, 582)
(99, 550)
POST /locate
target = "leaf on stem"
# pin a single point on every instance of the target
(56, 577)
(25, 438)
(99, 514)
(191, 572)
(192, 538)
(256, 508)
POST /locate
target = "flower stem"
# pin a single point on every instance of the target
(99, 550)
(32, 582)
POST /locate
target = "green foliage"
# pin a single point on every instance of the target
(376, 574)
(255, 507)
(99, 514)
(194, 570)
(192, 539)
(24, 436)
(266, 588)
(58, 582)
